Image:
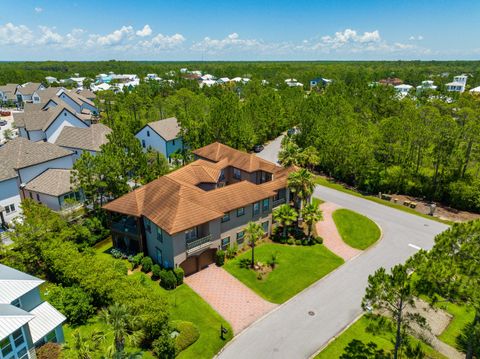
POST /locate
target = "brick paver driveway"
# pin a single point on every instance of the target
(237, 303)
(331, 238)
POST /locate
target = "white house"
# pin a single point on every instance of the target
(21, 161)
(7, 93)
(223, 80)
(207, 83)
(25, 92)
(162, 136)
(458, 84)
(100, 87)
(51, 79)
(475, 90)
(293, 83)
(426, 85)
(403, 90)
(26, 321)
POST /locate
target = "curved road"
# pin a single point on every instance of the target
(291, 331)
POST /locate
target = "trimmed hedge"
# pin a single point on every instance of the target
(179, 274)
(188, 334)
(156, 269)
(147, 264)
(220, 258)
(168, 279)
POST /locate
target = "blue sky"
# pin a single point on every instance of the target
(239, 30)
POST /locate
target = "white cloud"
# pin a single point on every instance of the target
(11, 34)
(163, 42)
(48, 36)
(349, 36)
(416, 38)
(38, 9)
(232, 41)
(116, 37)
(146, 31)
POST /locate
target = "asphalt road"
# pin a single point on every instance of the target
(291, 331)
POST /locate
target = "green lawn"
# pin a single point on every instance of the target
(461, 317)
(318, 201)
(185, 304)
(356, 230)
(325, 182)
(297, 268)
(358, 331)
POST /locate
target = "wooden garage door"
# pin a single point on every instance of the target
(206, 258)
(189, 265)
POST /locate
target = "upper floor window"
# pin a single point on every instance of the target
(143, 144)
(265, 204)
(148, 133)
(173, 142)
(240, 211)
(237, 174)
(148, 226)
(159, 234)
(10, 208)
(226, 217)
(256, 208)
(6, 347)
(191, 234)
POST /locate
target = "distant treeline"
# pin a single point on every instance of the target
(411, 72)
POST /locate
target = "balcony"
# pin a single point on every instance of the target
(278, 202)
(125, 227)
(198, 244)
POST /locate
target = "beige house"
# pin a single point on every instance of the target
(183, 218)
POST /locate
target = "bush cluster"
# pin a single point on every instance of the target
(73, 302)
(168, 280)
(188, 334)
(147, 264)
(220, 258)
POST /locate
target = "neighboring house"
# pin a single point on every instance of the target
(53, 188)
(26, 322)
(51, 79)
(207, 82)
(45, 94)
(475, 90)
(78, 103)
(394, 81)
(100, 87)
(426, 85)
(88, 94)
(21, 161)
(183, 218)
(7, 93)
(403, 90)
(293, 83)
(46, 123)
(80, 139)
(163, 136)
(319, 81)
(25, 92)
(458, 84)
(223, 80)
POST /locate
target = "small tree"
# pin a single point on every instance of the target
(289, 154)
(285, 216)
(394, 293)
(8, 134)
(253, 233)
(311, 214)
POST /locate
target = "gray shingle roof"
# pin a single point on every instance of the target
(29, 88)
(9, 90)
(168, 128)
(20, 153)
(90, 138)
(53, 182)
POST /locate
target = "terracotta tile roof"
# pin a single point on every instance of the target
(217, 152)
(175, 203)
(20, 153)
(90, 138)
(168, 128)
(53, 182)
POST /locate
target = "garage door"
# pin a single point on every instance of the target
(206, 258)
(189, 265)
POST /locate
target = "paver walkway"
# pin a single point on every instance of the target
(237, 303)
(331, 238)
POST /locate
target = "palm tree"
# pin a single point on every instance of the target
(302, 184)
(124, 327)
(85, 347)
(253, 232)
(285, 216)
(289, 155)
(311, 214)
(309, 157)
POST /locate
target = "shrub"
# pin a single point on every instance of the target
(220, 258)
(164, 346)
(273, 261)
(137, 260)
(188, 334)
(290, 241)
(283, 240)
(73, 302)
(305, 242)
(232, 251)
(49, 351)
(116, 253)
(147, 264)
(245, 263)
(298, 242)
(179, 274)
(168, 279)
(318, 240)
(156, 271)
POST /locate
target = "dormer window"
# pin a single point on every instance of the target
(237, 174)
